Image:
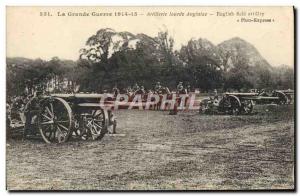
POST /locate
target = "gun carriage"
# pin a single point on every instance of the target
(57, 117)
(289, 95)
(242, 103)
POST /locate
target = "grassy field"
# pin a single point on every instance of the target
(157, 151)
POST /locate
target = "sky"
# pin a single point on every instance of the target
(31, 35)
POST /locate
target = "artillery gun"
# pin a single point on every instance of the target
(242, 103)
(57, 117)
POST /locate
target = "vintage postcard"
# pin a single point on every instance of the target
(150, 98)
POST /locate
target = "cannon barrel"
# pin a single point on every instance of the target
(80, 95)
(242, 94)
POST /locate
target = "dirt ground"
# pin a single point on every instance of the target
(157, 151)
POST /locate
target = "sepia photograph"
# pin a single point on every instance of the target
(150, 98)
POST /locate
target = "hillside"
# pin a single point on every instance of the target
(237, 49)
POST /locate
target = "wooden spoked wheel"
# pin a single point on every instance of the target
(230, 105)
(282, 98)
(55, 120)
(96, 123)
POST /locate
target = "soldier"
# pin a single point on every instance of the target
(135, 87)
(263, 92)
(188, 88)
(180, 86)
(181, 89)
(115, 91)
(140, 91)
(128, 89)
(112, 124)
(157, 88)
(216, 98)
(34, 108)
(215, 94)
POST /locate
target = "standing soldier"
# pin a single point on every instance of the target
(129, 91)
(115, 90)
(135, 87)
(158, 91)
(216, 98)
(181, 89)
(216, 94)
(188, 88)
(29, 114)
(140, 91)
(157, 88)
(143, 89)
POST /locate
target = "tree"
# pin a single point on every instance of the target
(25, 74)
(122, 57)
(283, 77)
(240, 76)
(204, 65)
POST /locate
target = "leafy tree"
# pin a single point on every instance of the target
(114, 60)
(283, 77)
(123, 58)
(203, 63)
(25, 74)
(239, 77)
